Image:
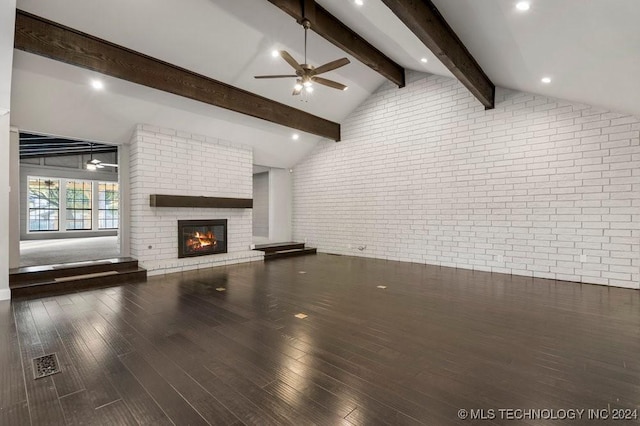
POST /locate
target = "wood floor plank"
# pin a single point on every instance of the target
(44, 406)
(203, 402)
(116, 413)
(70, 381)
(78, 409)
(177, 408)
(12, 383)
(174, 350)
(77, 346)
(17, 414)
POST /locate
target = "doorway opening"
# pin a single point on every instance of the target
(69, 200)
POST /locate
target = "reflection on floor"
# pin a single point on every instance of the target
(49, 252)
(326, 340)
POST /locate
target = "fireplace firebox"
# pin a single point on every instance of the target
(202, 237)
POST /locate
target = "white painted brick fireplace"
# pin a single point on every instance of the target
(164, 161)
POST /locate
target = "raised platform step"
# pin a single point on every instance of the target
(69, 277)
(289, 253)
(50, 272)
(270, 248)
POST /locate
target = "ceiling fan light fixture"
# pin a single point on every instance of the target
(307, 83)
(91, 167)
(298, 86)
(275, 53)
(359, 2)
(309, 89)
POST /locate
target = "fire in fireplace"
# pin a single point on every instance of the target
(202, 237)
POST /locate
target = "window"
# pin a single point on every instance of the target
(108, 205)
(78, 205)
(44, 204)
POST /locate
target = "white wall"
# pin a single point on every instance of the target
(14, 203)
(425, 174)
(165, 161)
(280, 205)
(5, 293)
(7, 25)
(261, 205)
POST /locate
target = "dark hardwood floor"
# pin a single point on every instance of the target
(176, 350)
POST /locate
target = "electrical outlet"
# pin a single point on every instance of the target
(583, 258)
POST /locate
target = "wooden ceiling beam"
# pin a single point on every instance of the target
(425, 21)
(42, 37)
(329, 27)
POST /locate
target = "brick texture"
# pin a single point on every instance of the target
(537, 187)
(165, 161)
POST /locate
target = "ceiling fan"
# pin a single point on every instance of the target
(307, 74)
(94, 164)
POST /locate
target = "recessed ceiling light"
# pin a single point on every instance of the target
(523, 6)
(295, 136)
(275, 53)
(546, 80)
(424, 60)
(359, 2)
(97, 84)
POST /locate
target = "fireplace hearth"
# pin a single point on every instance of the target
(202, 237)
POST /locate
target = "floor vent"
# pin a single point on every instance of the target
(44, 366)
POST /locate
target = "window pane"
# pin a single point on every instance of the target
(78, 205)
(108, 205)
(43, 201)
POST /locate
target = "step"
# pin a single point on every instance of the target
(270, 248)
(72, 283)
(51, 272)
(289, 253)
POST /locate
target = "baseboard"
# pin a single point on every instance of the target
(5, 294)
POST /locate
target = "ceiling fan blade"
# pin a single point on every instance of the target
(285, 55)
(274, 76)
(330, 83)
(331, 66)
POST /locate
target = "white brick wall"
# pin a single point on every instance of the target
(166, 161)
(425, 174)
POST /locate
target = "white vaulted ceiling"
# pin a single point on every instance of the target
(591, 50)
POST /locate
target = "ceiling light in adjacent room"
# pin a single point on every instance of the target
(424, 60)
(546, 80)
(295, 137)
(97, 84)
(275, 53)
(523, 6)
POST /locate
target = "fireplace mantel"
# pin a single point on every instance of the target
(159, 200)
